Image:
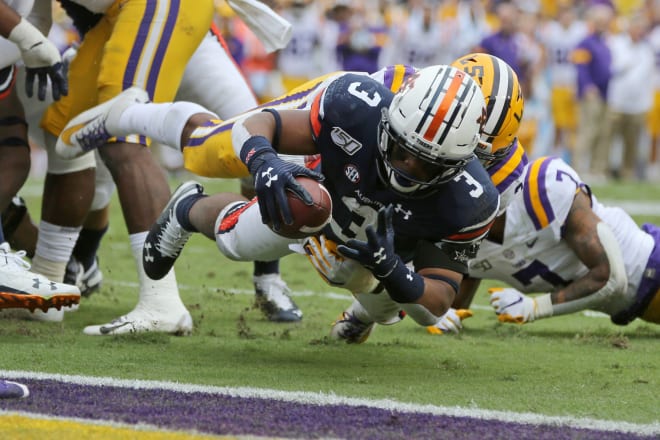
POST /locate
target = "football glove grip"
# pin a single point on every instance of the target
(273, 177)
(515, 307)
(377, 254)
(335, 269)
(451, 321)
(42, 61)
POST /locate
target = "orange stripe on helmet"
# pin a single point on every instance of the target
(444, 106)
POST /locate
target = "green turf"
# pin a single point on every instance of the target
(572, 365)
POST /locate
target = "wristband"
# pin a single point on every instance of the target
(403, 285)
(543, 306)
(25, 35)
(254, 147)
(278, 127)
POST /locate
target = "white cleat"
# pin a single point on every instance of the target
(273, 297)
(94, 127)
(142, 321)
(22, 289)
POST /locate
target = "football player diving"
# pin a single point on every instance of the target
(399, 168)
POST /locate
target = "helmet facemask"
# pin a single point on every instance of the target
(392, 145)
(487, 156)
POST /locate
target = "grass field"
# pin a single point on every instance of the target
(579, 365)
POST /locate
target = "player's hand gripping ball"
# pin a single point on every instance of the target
(307, 219)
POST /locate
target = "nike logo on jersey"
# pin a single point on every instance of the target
(531, 243)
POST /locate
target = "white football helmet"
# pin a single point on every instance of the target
(437, 117)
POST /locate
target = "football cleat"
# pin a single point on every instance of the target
(94, 127)
(350, 329)
(22, 289)
(141, 321)
(88, 281)
(13, 390)
(166, 237)
(272, 297)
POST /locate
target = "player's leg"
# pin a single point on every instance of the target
(68, 183)
(158, 68)
(19, 287)
(212, 73)
(83, 267)
(272, 294)
(14, 147)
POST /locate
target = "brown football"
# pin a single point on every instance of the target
(307, 219)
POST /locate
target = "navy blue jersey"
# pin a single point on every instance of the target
(345, 122)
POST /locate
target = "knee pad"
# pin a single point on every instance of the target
(104, 185)
(58, 165)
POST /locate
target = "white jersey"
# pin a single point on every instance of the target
(418, 44)
(559, 42)
(533, 258)
(300, 57)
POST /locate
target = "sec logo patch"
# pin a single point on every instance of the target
(352, 173)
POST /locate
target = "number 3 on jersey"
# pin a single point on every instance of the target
(363, 95)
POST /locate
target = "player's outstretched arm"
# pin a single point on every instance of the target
(466, 292)
(594, 243)
(597, 248)
(432, 288)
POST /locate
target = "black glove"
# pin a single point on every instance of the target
(272, 178)
(377, 253)
(58, 80)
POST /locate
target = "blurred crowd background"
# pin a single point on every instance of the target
(590, 70)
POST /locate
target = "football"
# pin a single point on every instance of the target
(307, 219)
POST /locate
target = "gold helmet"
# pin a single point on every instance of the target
(504, 103)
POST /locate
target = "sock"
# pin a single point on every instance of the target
(266, 267)
(162, 122)
(358, 311)
(159, 297)
(54, 248)
(87, 245)
(183, 209)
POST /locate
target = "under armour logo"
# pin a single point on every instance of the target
(269, 176)
(379, 256)
(37, 283)
(148, 257)
(406, 212)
